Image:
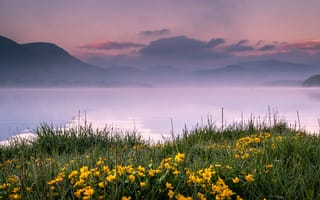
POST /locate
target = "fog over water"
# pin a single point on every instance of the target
(154, 111)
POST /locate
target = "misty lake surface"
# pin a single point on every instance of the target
(154, 111)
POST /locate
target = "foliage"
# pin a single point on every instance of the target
(240, 162)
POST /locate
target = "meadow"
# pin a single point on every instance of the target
(241, 161)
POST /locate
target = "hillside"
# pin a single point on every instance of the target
(45, 64)
(312, 81)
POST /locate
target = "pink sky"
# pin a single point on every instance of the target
(75, 24)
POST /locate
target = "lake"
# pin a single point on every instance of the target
(154, 111)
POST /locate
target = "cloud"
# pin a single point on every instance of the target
(307, 45)
(267, 47)
(182, 47)
(109, 45)
(240, 46)
(216, 41)
(161, 32)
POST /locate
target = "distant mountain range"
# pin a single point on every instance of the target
(43, 64)
(261, 72)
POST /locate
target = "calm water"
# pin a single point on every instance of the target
(153, 111)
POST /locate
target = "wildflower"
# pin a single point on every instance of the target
(151, 172)
(269, 166)
(84, 169)
(181, 197)
(49, 182)
(73, 174)
(105, 169)
(141, 174)
(142, 184)
(15, 190)
(206, 175)
(101, 184)
(235, 180)
(239, 198)
(169, 185)
(84, 174)
(132, 178)
(249, 178)
(126, 198)
(140, 168)
(111, 178)
(228, 167)
(88, 191)
(99, 162)
(78, 193)
(170, 194)
(14, 196)
(201, 196)
(176, 172)
(217, 165)
(179, 157)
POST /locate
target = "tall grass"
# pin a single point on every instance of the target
(240, 161)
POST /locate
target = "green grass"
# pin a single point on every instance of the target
(204, 162)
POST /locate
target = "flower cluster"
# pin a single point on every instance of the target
(169, 180)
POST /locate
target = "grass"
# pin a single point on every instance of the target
(243, 162)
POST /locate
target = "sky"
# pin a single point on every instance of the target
(129, 30)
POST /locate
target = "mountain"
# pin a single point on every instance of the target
(312, 81)
(258, 72)
(45, 64)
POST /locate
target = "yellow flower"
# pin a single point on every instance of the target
(49, 182)
(249, 178)
(84, 169)
(15, 190)
(179, 157)
(217, 165)
(105, 169)
(132, 178)
(72, 174)
(181, 197)
(239, 198)
(78, 193)
(235, 180)
(201, 196)
(99, 162)
(170, 194)
(111, 178)
(169, 185)
(88, 191)
(101, 184)
(228, 167)
(269, 166)
(206, 175)
(126, 198)
(140, 168)
(152, 172)
(142, 184)
(14, 196)
(176, 172)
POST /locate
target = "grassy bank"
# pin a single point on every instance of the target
(242, 162)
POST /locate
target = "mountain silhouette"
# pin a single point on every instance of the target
(313, 81)
(256, 72)
(45, 64)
